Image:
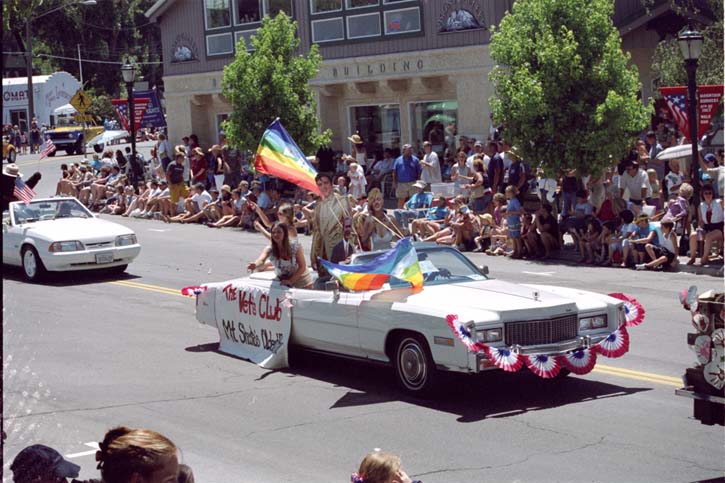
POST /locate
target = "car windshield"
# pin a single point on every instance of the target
(440, 265)
(49, 210)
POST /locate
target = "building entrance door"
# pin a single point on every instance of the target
(19, 118)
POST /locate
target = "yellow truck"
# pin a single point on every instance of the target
(70, 134)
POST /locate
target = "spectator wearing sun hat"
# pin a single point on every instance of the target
(358, 150)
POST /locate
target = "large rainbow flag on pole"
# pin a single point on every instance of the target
(278, 155)
(400, 262)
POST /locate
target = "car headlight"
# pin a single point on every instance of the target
(595, 322)
(125, 240)
(65, 246)
(490, 335)
(71, 135)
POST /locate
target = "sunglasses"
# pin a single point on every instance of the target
(706, 193)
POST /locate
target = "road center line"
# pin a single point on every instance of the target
(600, 368)
(91, 444)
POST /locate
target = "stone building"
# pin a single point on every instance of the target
(395, 71)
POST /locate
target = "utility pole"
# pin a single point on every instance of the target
(80, 65)
(29, 68)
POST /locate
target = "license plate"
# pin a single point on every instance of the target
(104, 257)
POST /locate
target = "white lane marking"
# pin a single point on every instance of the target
(157, 230)
(91, 444)
(543, 274)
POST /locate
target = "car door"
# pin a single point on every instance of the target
(326, 320)
(12, 236)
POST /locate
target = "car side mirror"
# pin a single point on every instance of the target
(483, 269)
(331, 286)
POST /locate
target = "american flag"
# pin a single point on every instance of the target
(677, 102)
(22, 191)
(47, 149)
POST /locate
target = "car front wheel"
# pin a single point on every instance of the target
(12, 156)
(414, 366)
(33, 267)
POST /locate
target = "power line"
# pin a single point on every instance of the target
(83, 59)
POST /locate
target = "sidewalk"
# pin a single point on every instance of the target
(571, 256)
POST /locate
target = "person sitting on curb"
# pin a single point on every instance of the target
(665, 254)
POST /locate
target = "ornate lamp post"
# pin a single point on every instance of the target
(128, 71)
(690, 42)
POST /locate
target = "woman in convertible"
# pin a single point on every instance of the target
(287, 259)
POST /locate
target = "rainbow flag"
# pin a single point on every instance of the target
(400, 262)
(278, 155)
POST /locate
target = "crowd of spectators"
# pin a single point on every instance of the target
(482, 198)
(142, 455)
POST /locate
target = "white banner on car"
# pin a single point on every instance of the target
(253, 323)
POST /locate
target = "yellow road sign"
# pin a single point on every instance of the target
(81, 101)
(83, 118)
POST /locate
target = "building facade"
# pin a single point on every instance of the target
(394, 71)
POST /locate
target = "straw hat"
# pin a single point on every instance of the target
(513, 152)
(216, 147)
(180, 150)
(12, 170)
(227, 188)
(198, 151)
(356, 139)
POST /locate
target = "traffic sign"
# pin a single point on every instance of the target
(81, 101)
(83, 118)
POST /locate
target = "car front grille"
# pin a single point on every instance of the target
(535, 332)
(104, 244)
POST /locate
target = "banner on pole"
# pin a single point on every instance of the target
(139, 107)
(709, 98)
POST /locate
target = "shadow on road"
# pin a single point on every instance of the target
(494, 394)
(69, 279)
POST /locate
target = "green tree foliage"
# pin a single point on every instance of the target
(563, 85)
(272, 81)
(108, 33)
(667, 62)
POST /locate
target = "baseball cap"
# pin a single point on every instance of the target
(39, 461)
(710, 158)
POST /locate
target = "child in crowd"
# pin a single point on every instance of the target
(629, 227)
(547, 229)
(656, 199)
(589, 244)
(529, 236)
(499, 204)
(665, 254)
(513, 220)
(379, 467)
(357, 181)
(642, 235)
(483, 240)
(341, 187)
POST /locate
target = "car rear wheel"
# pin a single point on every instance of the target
(70, 151)
(33, 267)
(414, 366)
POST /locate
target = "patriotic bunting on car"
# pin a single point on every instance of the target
(503, 358)
(192, 290)
(615, 345)
(463, 334)
(580, 361)
(633, 310)
(543, 365)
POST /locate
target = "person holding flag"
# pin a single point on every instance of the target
(14, 188)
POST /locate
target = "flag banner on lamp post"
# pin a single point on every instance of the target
(709, 98)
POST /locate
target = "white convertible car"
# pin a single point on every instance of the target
(60, 234)
(409, 329)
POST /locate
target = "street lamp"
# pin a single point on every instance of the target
(128, 71)
(29, 50)
(691, 45)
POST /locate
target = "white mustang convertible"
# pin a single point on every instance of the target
(60, 234)
(409, 329)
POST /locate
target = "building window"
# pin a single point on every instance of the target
(402, 21)
(361, 3)
(434, 121)
(247, 36)
(273, 7)
(248, 11)
(327, 30)
(379, 127)
(321, 6)
(360, 26)
(216, 14)
(219, 44)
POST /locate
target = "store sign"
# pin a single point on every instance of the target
(19, 96)
(378, 68)
(183, 49)
(458, 15)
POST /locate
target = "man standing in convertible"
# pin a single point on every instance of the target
(328, 223)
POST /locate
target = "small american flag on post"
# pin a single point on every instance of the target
(677, 103)
(22, 191)
(48, 148)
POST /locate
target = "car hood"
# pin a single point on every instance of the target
(486, 300)
(83, 229)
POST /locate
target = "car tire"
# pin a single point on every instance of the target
(70, 151)
(51, 154)
(12, 156)
(563, 373)
(33, 268)
(415, 369)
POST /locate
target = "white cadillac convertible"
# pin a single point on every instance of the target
(60, 234)
(410, 330)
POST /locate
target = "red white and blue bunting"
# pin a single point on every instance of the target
(192, 290)
(580, 361)
(633, 311)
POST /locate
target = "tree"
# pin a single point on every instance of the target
(667, 63)
(563, 86)
(272, 81)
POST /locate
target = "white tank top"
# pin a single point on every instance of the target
(666, 243)
(717, 212)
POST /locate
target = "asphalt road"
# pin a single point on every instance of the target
(87, 352)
